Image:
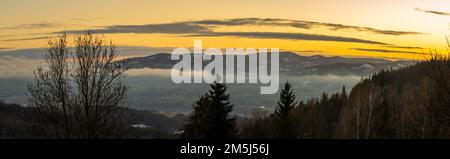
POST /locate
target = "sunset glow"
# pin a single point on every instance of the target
(400, 29)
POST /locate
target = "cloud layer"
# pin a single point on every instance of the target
(387, 51)
(34, 26)
(169, 28)
(290, 36)
(299, 24)
(206, 28)
(32, 38)
(4, 48)
(433, 12)
(404, 47)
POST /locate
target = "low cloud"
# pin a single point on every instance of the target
(387, 51)
(32, 38)
(147, 72)
(34, 26)
(433, 12)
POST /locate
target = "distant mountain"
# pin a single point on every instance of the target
(36, 53)
(290, 63)
(294, 64)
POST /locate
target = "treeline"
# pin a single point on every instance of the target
(16, 121)
(314, 118)
(13, 123)
(411, 102)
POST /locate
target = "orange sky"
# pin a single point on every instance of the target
(381, 28)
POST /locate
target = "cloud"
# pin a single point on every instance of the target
(6, 36)
(33, 38)
(208, 26)
(433, 12)
(147, 72)
(204, 28)
(169, 28)
(367, 29)
(5, 48)
(256, 21)
(403, 47)
(33, 26)
(299, 24)
(86, 19)
(387, 51)
(290, 36)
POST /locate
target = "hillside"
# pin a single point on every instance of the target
(15, 121)
(412, 102)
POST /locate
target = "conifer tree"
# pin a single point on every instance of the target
(210, 119)
(283, 110)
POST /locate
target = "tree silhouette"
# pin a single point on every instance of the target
(343, 95)
(79, 92)
(283, 110)
(210, 118)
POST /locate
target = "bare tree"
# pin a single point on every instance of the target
(358, 119)
(79, 91)
(437, 70)
(357, 109)
(374, 99)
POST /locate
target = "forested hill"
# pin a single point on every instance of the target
(412, 102)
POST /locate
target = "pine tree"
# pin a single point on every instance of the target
(210, 119)
(282, 111)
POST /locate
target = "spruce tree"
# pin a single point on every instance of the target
(210, 119)
(197, 126)
(283, 110)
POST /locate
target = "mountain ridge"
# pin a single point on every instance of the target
(293, 64)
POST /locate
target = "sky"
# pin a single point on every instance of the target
(390, 29)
